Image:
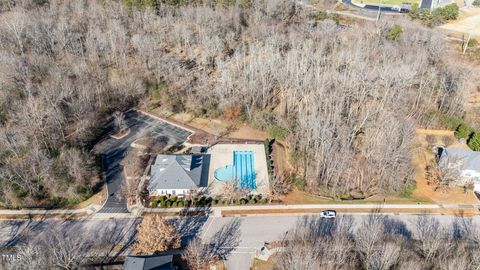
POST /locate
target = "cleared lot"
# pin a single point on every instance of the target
(469, 22)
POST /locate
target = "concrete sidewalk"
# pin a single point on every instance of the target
(219, 211)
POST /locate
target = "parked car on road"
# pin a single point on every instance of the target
(328, 214)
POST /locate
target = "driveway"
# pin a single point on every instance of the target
(113, 151)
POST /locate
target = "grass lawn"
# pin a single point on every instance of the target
(300, 197)
(386, 2)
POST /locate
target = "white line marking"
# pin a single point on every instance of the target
(209, 221)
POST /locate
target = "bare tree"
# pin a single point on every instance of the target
(198, 256)
(119, 120)
(448, 172)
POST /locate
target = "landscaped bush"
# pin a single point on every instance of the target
(264, 201)
(463, 131)
(252, 201)
(174, 204)
(258, 197)
(476, 3)
(448, 12)
(155, 203)
(474, 142)
(181, 204)
(168, 204)
(163, 204)
(267, 144)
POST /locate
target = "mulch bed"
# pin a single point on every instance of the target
(120, 134)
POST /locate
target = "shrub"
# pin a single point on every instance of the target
(258, 197)
(161, 198)
(243, 201)
(414, 12)
(463, 131)
(162, 204)
(472, 42)
(174, 204)
(448, 12)
(277, 131)
(476, 3)
(172, 198)
(252, 201)
(474, 142)
(264, 201)
(168, 204)
(394, 32)
(407, 191)
(320, 16)
(181, 204)
(155, 203)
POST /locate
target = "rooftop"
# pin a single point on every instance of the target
(156, 262)
(179, 172)
(470, 158)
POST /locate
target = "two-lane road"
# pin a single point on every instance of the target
(249, 234)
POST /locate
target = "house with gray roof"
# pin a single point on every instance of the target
(178, 174)
(467, 161)
(154, 262)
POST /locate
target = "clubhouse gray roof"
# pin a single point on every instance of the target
(179, 172)
(155, 262)
(470, 158)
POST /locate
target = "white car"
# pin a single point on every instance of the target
(396, 8)
(328, 214)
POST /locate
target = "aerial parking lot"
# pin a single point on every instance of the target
(114, 150)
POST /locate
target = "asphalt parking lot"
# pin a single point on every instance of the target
(113, 151)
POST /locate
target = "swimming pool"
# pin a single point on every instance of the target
(242, 169)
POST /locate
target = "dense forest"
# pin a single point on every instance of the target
(349, 96)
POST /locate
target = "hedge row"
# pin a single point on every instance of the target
(173, 201)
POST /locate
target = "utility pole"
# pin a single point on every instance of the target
(465, 46)
(379, 9)
(378, 14)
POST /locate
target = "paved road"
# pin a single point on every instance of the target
(240, 236)
(113, 151)
(255, 230)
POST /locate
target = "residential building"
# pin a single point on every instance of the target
(178, 174)
(467, 161)
(154, 262)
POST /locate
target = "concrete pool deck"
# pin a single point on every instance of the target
(222, 155)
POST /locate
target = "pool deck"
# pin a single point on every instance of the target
(222, 155)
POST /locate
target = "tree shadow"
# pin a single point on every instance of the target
(190, 222)
(396, 227)
(225, 240)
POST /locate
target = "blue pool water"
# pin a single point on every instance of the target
(242, 169)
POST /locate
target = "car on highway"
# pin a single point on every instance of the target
(328, 214)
